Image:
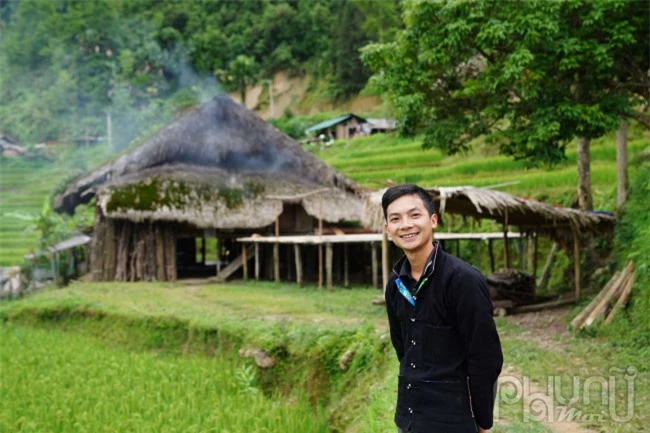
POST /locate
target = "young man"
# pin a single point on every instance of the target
(441, 325)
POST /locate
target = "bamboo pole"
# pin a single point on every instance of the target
(548, 266)
(320, 256)
(622, 300)
(580, 318)
(257, 261)
(244, 261)
(276, 252)
(576, 263)
(506, 249)
(296, 250)
(384, 260)
(329, 255)
(536, 247)
(346, 266)
(491, 251)
(599, 311)
(375, 265)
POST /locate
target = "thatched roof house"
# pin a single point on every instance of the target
(217, 167)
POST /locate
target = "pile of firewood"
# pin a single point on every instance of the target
(609, 301)
(511, 284)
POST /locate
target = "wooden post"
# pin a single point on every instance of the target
(491, 251)
(55, 277)
(257, 261)
(384, 260)
(203, 248)
(346, 266)
(546, 272)
(320, 256)
(506, 249)
(276, 252)
(522, 254)
(576, 262)
(529, 253)
(329, 255)
(296, 250)
(244, 262)
(288, 262)
(375, 265)
(535, 256)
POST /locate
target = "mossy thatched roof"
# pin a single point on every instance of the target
(217, 166)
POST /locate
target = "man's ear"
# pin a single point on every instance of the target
(387, 232)
(434, 221)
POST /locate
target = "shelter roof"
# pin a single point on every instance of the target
(481, 203)
(74, 241)
(331, 122)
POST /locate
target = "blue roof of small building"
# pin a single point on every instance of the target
(328, 123)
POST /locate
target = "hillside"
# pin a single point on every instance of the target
(379, 160)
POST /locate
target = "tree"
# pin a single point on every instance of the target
(530, 75)
(244, 72)
(349, 73)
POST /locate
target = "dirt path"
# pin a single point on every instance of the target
(543, 327)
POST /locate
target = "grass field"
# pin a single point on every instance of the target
(131, 337)
(56, 381)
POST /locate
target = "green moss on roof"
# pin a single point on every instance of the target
(154, 194)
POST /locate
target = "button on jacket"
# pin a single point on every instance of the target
(447, 344)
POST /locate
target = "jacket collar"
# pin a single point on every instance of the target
(402, 267)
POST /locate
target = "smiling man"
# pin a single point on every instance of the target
(441, 325)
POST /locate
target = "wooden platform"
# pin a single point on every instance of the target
(367, 237)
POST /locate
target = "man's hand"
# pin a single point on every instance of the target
(481, 430)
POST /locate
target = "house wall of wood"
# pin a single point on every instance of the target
(349, 129)
(126, 251)
(123, 250)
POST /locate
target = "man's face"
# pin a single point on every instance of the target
(409, 224)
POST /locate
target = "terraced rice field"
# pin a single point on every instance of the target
(24, 187)
(380, 160)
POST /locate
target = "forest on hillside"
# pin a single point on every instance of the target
(66, 65)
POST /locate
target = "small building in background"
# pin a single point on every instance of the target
(377, 125)
(349, 126)
(339, 128)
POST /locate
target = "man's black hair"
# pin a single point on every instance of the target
(397, 191)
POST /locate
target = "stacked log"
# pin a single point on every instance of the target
(510, 284)
(609, 301)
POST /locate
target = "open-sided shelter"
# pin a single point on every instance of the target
(218, 169)
(532, 218)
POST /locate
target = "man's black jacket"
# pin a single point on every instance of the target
(448, 346)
